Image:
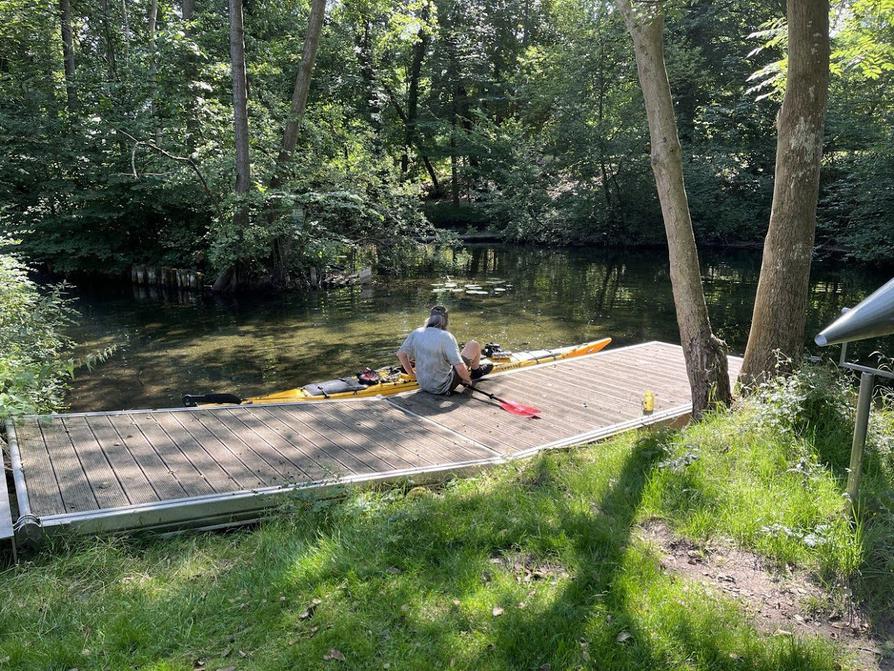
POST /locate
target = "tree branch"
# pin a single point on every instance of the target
(149, 144)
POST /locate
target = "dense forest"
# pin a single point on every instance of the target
(361, 123)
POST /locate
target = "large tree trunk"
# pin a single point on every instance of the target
(240, 97)
(706, 362)
(780, 307)
(68, 55)
(281, 245)
(226, 280)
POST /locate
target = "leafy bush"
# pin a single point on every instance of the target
(817, 404)
(34, 363)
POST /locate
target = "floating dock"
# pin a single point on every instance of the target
(173, 468)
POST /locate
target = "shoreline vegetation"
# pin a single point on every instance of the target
(551, 563)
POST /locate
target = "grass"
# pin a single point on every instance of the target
(410, 579)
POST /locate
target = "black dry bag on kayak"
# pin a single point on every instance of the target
(369, 377)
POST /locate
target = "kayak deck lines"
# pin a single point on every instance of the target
(213, 466)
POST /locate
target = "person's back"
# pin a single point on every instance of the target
(436, 353)
(432, 355)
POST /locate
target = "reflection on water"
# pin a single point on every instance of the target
(171, 344)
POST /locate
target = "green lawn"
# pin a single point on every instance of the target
(531, 566)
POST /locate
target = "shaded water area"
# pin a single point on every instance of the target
(165, 345)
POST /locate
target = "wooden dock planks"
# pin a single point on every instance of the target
(104, 463)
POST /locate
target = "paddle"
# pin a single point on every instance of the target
(511, 406)
(192, 400)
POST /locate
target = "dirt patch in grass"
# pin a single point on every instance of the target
(528, 568)
(782, 602)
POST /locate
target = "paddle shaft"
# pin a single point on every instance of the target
(492, 397)
(510, 406)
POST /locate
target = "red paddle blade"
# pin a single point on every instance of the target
(519, 409)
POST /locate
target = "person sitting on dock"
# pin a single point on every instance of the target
(431, 354)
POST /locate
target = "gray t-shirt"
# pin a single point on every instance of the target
(435, 352)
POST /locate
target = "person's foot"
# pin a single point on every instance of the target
(482, 370)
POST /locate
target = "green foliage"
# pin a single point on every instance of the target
(528, 115)
(816, 405)
(34, 354)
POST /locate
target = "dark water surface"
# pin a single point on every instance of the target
(167, 344)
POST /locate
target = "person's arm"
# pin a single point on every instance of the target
(451, 351)
(406, 362)
(406, 354)
(463, 371)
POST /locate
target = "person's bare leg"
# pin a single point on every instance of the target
(472, 353)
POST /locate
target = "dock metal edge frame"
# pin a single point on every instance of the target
(26, 525)
(235, 507)
(6, 525)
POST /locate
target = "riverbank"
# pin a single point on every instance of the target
(572, 559)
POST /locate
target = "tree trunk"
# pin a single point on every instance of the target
(126, 21)
(454, 173)
(706, 362)
(302, 87)
(419, 50)
(780, 307)
(281, 244)
(240, 97)
(403, 117)
(68, 55)
(366, 59)
(152, 18)
(192, 120)
(152, 21)
(226, 280)
(108, 40)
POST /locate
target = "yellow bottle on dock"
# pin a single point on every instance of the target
(648, 402)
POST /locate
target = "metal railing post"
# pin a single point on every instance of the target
(864, 401)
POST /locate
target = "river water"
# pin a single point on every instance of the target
(163, 345)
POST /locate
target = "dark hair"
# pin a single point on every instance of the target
(437, 317)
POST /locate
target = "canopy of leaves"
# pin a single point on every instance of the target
(524, 115)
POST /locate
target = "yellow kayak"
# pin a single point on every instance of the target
(392, 380)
